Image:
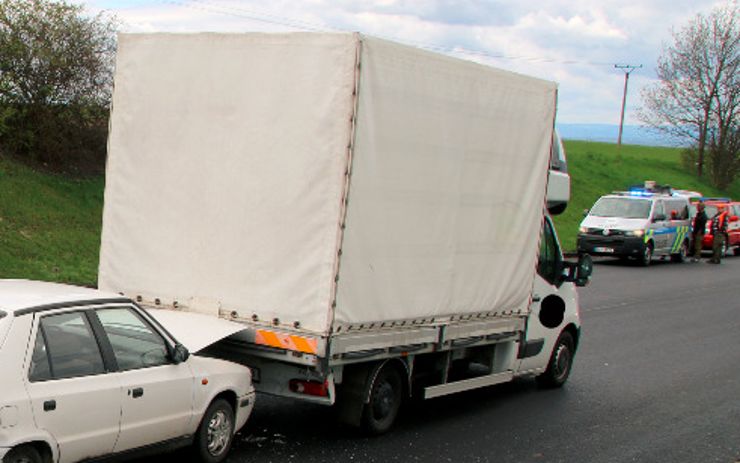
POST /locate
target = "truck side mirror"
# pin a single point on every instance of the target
(579, 272)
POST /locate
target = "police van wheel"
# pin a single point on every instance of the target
(682, 253)
(647, 255)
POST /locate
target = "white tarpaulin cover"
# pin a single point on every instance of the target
(226, 179)
(448, 181)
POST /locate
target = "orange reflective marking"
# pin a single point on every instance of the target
(286, 341)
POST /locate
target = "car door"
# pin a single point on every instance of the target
(660, 228)
(74, 396)
(156, 395)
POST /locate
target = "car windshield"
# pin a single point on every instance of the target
(628, 208)
(4, 325)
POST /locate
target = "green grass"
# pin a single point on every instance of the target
(49, 225)
(600, 168)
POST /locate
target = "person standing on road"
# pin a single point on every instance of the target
(698, 227)
(719, 229)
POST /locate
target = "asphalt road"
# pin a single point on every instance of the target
(656, 379)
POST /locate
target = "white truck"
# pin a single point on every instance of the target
(373, 214)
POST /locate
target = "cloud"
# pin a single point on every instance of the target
(573, 42)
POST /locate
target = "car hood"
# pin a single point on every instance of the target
(618, 223)
(195, 331)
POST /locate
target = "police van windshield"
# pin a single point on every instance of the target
(627, 208)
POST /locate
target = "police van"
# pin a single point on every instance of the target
(640, 223)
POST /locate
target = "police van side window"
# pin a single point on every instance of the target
(658, 211)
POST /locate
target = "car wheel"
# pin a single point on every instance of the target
(23, 454)
(560, 364)
(646, 256)
(736, 251)
(216, 432)
(682, 253)
(386, 394)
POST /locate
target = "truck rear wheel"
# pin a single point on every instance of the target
(386, 394)
(560, 364)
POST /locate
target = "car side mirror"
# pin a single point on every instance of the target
(579, 272)
(179, 354)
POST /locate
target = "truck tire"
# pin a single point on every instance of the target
(560, 364)
(23, 454)
(647, 255)
(386, 395)
(215, 433)
(682, 253)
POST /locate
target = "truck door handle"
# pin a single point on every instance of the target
(137, 392)
(50, 405)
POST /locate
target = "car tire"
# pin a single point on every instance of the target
(682, 253)
(386, 395)
(560, 363)
(23, 454)
(736, 251)
(647, 255)
(215, 433)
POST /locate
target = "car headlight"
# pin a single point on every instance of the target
(583, 229)
(637, 233)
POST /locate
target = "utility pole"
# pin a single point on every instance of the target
(628, 68)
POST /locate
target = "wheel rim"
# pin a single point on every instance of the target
(384, 400)
(219, 433)
(561, 365)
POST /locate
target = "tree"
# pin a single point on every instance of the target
(55, 82)
(697, 97)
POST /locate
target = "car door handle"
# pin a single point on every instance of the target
(50, 405)
(137, 392)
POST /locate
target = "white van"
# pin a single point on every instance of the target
(637, 224)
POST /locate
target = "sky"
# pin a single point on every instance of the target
(575, 43)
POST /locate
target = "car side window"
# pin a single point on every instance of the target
(659, 210)
(547, 266)
(65, 348)
(40, 366)
(135, 344)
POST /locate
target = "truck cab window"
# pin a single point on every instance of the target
(547, 266)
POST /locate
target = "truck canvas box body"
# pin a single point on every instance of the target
(369, 211)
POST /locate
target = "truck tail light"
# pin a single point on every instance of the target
(316, 388)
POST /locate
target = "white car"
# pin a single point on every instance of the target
(87, 373)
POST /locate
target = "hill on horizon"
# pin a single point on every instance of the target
(608, 133)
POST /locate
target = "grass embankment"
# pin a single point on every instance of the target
(600, 168)
(50, 225)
